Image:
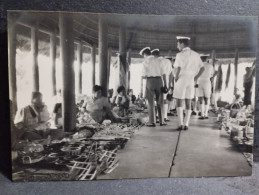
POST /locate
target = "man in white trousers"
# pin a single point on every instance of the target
(188, 67)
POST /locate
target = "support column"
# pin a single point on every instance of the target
(109, 66)
(123, 55)
(103, 53)
(93, 58)
(80, 61)
(12, 63)
(236, 71)
(213, 83)
(35, 65)
(141, 87)
(53, 54)
(128, 65)
(68, 74)
(213, 57)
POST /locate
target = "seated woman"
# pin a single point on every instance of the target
(122, 102)
(98, 106)
(33, 119)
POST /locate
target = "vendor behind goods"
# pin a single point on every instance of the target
(98, 106)
(33, 119)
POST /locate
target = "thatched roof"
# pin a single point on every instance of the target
(224, 34)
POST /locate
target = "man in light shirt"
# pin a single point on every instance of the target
(167, 63)
(167, 66)
(188, 67)
(153, 71)
(204, 87)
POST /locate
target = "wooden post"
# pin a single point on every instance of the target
(123, 55)
(103, 53)
(93, 58)
(68, 74)
(213, 57)
(35, 65)
(12, 63)
(141, 87)
(193, 38)
(80, 60)
(128, 65)
(236, 71)
(213, 83)
(53, 54)
(109, 66)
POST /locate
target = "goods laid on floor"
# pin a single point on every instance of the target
(82, 155)
(239, 124)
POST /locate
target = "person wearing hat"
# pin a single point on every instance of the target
(204, 86)
(154, 72)
(33, 119)
(188, 67)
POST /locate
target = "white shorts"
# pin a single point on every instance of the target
(184, 88)
(204, 89)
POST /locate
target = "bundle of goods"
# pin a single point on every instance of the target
(85, 118)
(223, 115)
(240, 125)
(116, 130)
(81, 155)
(79, 159)
(95, 160)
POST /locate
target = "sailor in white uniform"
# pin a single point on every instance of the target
(188, 67)
(153, 71)
(204, 86)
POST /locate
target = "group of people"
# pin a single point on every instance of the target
(32, 121)
(187, 76)
(169, 81)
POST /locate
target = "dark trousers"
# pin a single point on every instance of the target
(154, 93)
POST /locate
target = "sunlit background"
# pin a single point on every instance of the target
(24, 77)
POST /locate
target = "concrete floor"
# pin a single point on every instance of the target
(202, 151)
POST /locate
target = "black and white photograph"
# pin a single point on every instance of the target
(98, 96)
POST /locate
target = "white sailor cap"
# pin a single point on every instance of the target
(182, 37)
(142, 50)
(154, 50)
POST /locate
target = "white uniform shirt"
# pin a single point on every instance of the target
(189, 61)
(167, 66)
(207, 73)
(152, 67)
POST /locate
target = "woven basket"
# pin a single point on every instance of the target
(234, 111)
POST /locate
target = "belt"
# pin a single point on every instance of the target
(154, 77)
